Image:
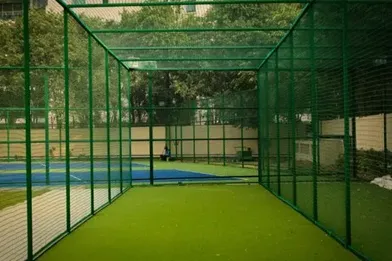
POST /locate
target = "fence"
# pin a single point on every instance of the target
(333, 66)
(310, 97)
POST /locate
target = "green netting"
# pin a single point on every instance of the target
(293, 95)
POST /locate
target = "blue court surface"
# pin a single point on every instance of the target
(101, 177)
(59, 165)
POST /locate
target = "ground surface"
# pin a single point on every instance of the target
(198, 222)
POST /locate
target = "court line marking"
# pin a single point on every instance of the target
(75, 177)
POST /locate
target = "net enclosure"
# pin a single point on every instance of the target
(99, 96)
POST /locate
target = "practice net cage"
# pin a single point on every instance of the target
(99, 96)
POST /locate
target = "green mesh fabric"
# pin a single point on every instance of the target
(292, 95)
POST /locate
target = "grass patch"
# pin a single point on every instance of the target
(10, 197)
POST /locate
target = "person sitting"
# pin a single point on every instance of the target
(165, 154)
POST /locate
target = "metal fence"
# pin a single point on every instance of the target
(296, 98)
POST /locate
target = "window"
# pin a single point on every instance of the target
(190, 8)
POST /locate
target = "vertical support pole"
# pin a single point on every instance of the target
(91, 121)
(119, 101)
(260, 127)
(129, 85)
(67, 139)
(266, 120)
(354, 133)
(346, 105)
(223, 129)
(60, 126)
(277, 117)
(27, 111)
(293, 120)
(150, 122)
(314, 113)
(169, 137)
(181, 143)
(385, 134)
(8, 136)
(208, 132)
(242, 128)
(176, 136)
(107, 92)
(46, 90)
(194, 131)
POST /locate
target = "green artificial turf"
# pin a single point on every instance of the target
(206, 169)
(198, 222)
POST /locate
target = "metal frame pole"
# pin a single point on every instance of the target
(267, 127)
(223, 129)
(277, 117)
(46, 90)
(129, 85)
(150, 127)
(91, 121)
(194, 131)
(120, 123)
(293, 120)
(208, 132)
(346, 104)
(314, 113)
(107, 91)
(27, 110)
(242, 128)
(8, 136)
(260, 127)
(67, 134)
(181, 143)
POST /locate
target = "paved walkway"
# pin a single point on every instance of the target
(49, 219)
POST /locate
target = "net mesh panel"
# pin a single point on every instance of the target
(305, 93)
(309, 156)
(175, 38)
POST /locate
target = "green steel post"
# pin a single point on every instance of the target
(46, 90)
(293, 120)
(8, 136)
(91, 121)
(150, 130)
(27, 111)
(107, 91)
(175, 136)
(354, 135)
(194, 130)
(130, 124)
(120, 124)
(208, 132)
(260, 127)
(181, 143)
(346, 105)
(314, 114)
(267, 127)
(223, 130)
(60, 139)
(242, 128)
(277, 116)
(67, 138)
(385, 134)
(169, 137)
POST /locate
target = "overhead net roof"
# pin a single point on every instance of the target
(188, 35)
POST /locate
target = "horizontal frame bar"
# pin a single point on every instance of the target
(223, 2)
(195, 69)
(193, 59)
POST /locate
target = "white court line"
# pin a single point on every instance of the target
(42, 165)
(75, 177)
